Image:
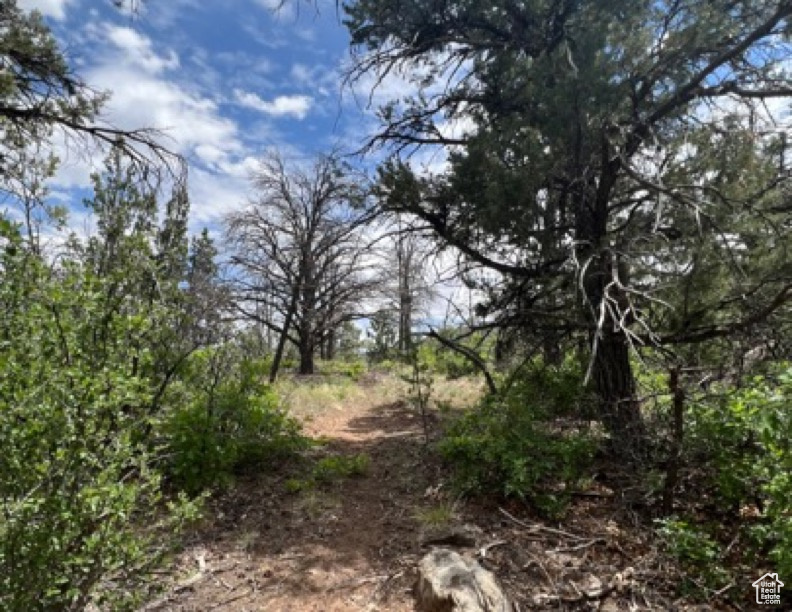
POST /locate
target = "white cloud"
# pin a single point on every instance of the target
(137, 49)
(51, 8)
(281, 106)
(212, 198)
(187, 119)
(145, 95)
(322, 79)
(152, 86)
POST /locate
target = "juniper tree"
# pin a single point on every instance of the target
(617, 157)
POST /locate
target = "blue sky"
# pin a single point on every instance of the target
(225, 81)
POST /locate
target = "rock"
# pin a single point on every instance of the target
(448, 582)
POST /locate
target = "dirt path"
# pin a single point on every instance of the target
(353, 543)
(346, 545)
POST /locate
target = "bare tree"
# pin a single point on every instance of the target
(299, 251)
(405, 289)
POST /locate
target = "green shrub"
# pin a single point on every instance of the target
(82, 515)
(699, 554)
(225, 419)
(512, 444)
(330, 469)
(743, 441)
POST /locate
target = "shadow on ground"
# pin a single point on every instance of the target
(344, 545)
(353, 543)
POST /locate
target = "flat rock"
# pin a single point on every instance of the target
(448, 582)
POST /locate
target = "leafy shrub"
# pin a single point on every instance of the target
(743, 439)
(511, 444)
(225, 419)
(82, 515)
(699, 554)
(441, 360)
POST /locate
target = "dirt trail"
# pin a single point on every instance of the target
(353, 544)
(347, 545)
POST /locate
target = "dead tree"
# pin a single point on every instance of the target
(299, 252)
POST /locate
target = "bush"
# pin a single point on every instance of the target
(341, 466)
(225, 419)
(512, 444)
(82, 515)
(699, 554)
(742, 440)
(439, 359)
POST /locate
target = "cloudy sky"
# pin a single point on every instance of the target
(226, 81)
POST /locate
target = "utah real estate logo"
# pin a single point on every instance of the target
(768, 590)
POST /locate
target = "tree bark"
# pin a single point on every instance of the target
(330, 342)
(306, 356)
(404, 255)
(405, 322)
(603, 277)
(276, 361)
(614, 383)
(307, 344)
(677, 438)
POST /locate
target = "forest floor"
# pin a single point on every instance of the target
(353, 543)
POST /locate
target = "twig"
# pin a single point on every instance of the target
(720, 592)
(579, 546)
(222, 582)
(381, 586)
(535, 561)
(484, 549)
(538, 527)
(232, 600)
(189, 582)
(532, 528)
(616, 583)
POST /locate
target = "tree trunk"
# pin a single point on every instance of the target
(404, 264)
(603, 277)
(330, 341)
(405, 322)
(276, 361)
(677, 390)
(307, 343)
(306, 356)
(308, 335)
(615, 385)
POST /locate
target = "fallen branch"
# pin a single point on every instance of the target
(357, 582)
(485, 549)
(536, 528)
(588, 544)
(233, 599)
(616, 583)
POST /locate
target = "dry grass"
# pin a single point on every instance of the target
(440, 515)
(458, 394)
(306, 397)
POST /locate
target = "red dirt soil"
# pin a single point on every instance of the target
(350, 545)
